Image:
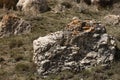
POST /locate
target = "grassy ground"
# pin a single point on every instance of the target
(16, 51)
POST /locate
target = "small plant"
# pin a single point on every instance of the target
(19, 57)
(66, 4)
(15, 43)
(25, 67)
(22, 67)
(64, 75)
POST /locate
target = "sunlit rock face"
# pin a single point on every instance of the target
(81, 45)
(112, 19)
(32, 6)
(13, 25)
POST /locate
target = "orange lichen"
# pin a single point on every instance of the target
(8, 17)
(74, 22)
(77, 26)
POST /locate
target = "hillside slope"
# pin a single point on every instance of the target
(16, 52)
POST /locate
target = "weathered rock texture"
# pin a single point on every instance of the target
(13, 25)
(83, 44)
(112, 19)
(32, 6)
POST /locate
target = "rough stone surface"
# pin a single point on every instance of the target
(82, 44)
(32, 6)
(112, 19)
(13, 25)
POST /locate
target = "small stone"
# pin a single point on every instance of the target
(28, 7)
(113, 42)
(13, 25)
(112, 19)
(96, 35)
(70, 63)
(91, 55)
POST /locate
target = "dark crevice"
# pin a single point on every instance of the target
(117, 54)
